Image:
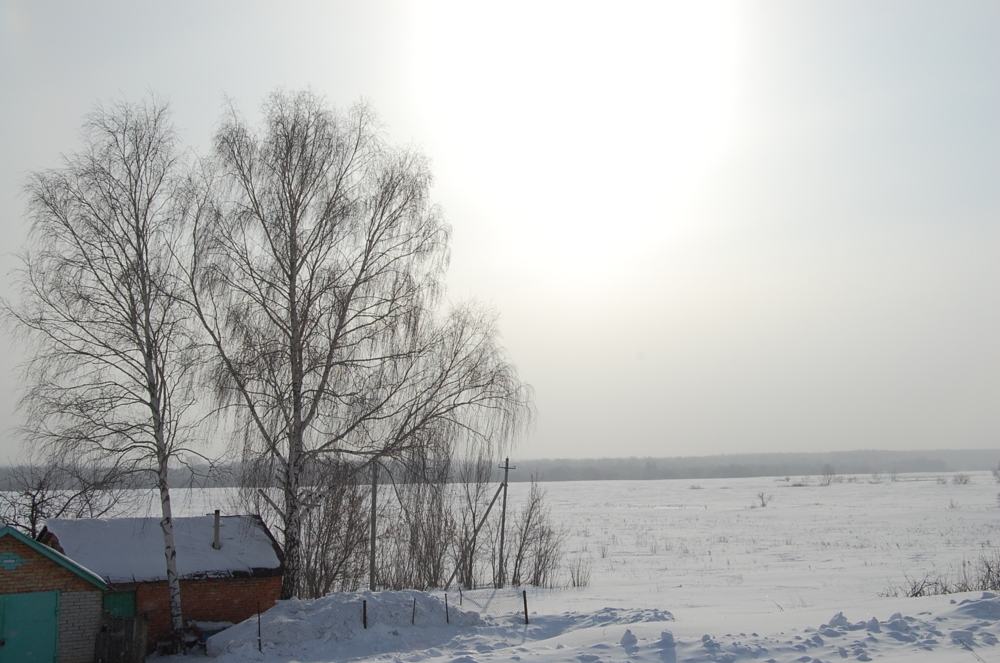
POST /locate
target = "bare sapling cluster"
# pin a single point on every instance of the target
(427, 513)
(475, 492)
(335, 529)
(533, 548)
(536, 542)
(417, 519)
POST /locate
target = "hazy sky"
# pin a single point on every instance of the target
(708, 227)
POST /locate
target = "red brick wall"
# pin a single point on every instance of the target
(211, 600)
(38, 573)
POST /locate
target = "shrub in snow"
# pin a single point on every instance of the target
(828, 475)
(579, 572)
(982, 574)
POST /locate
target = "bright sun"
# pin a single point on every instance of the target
(580, 128)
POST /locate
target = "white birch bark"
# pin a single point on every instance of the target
(170, 552)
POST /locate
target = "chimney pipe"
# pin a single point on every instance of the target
(217, 544)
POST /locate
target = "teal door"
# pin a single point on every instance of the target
(29, 627)
(120, 604)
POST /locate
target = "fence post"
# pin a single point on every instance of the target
(135, 653)
(260, 644)
(364, 612)
(447, 617)
(524, 595)
(143, 634)
(413, 619)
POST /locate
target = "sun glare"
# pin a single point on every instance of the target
(580, 128)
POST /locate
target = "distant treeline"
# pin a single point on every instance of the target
(182, 477)
(730, 466)
(756, 465)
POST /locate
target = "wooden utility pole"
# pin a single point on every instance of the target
(506, 467)
(374, 528)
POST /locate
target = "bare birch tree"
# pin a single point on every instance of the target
(111, 372)
(317, 259)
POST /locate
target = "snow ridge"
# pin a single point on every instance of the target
(327, 629)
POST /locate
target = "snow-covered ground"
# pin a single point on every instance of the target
(692, 564)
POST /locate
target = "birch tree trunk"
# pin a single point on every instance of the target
(292, 521)
(170, 553)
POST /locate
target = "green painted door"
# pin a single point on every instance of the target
(29, 627)
(120, 604)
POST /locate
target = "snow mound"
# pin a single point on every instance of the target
(985, 607)
(340, 618)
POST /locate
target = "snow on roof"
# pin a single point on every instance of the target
(125, 550)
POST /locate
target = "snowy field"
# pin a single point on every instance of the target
(700, 571)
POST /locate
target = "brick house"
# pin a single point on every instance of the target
(50, 606)
(229, 566)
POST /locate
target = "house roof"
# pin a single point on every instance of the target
(55, 556)
(127, 550)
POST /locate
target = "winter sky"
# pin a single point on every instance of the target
(708, 227)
